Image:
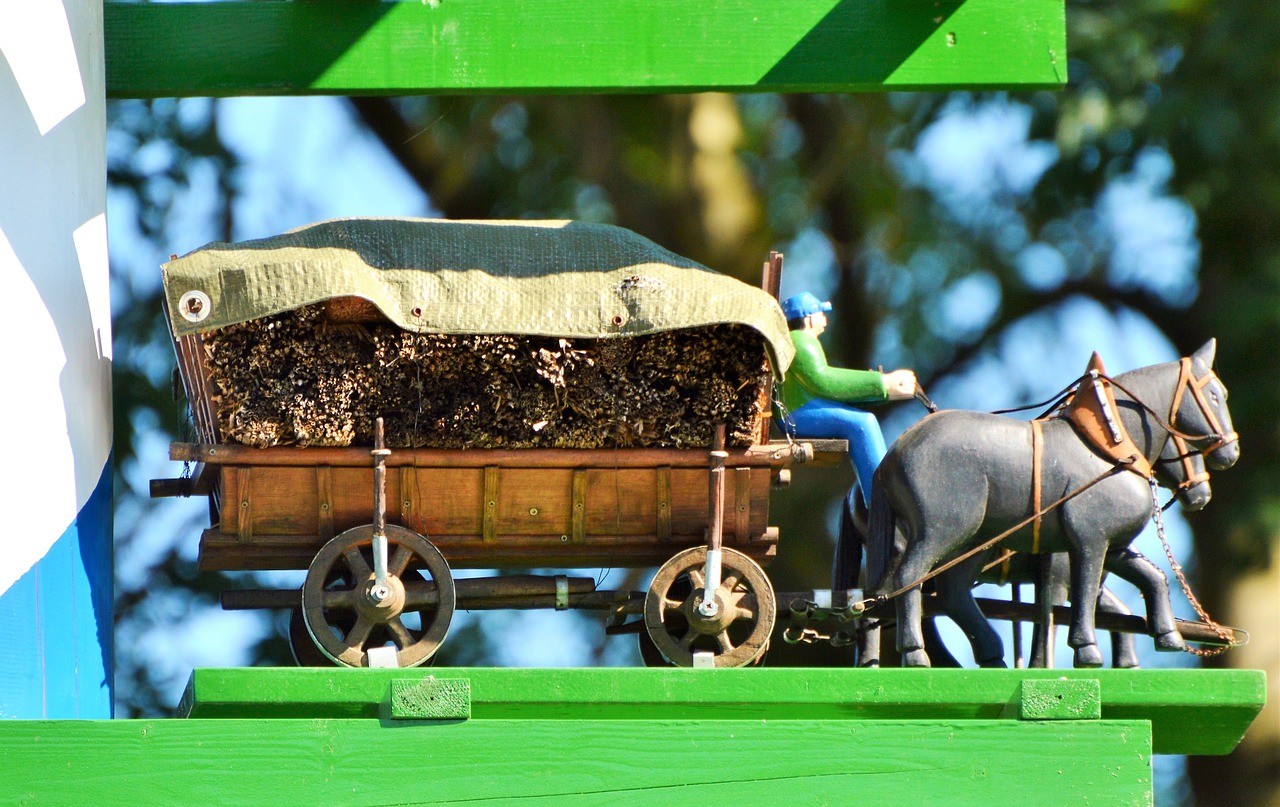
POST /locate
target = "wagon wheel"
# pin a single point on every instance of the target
(303, 647)
(345, 620)
(737, 634)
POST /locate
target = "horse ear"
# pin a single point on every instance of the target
(1207, 352)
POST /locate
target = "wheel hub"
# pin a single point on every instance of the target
(381, 609)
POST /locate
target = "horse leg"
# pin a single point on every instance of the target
(955, 594)
(1133, 566)
(910, 608)
(1124, 654)
(1051, 590)
(1086, 579)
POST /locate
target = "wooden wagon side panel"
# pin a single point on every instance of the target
(278, 516)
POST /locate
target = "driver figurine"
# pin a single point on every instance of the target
(816, 396)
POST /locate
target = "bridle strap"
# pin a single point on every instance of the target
(1188, 381)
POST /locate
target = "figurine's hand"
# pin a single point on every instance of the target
(900, 384)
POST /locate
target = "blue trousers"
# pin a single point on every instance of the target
(831, 420)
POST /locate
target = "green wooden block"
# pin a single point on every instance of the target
(226, 48)
(430, 698)
(1061, 699)
(575, 762)
(1189, 711)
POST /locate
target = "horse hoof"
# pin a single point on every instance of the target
(1127, 664)
(996, 663)
(915, 658)
(1088, 656)
(1170, 642)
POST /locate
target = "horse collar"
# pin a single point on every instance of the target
(1092, 410)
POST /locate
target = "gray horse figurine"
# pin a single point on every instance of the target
(957, 480)
(1178, 469)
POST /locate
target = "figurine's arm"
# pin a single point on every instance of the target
(811, 370)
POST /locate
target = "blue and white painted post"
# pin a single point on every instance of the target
(55, 364)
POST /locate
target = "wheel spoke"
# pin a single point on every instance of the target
(400, 560)
(360, 632)
(745, 604)
(357, 563)
(689, 638)
(726, 646)
(401, 633)
(340, 598)
(695, 577)
(730, 581)
(669, 604)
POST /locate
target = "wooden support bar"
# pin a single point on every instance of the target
(1188, 711)
(324, 490)
(199, 483)
(663, 518)
(575, 761)
(245, 505)
(742, 503)
(490, 526)
(473, 593)
(228, 454)
(408, 495)
(579, 498)
(334, 47)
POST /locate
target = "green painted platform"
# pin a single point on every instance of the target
(567, 46)
(639, 736)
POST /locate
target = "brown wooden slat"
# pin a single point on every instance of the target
(490, 503)
(742, 503)
(221, 551)
(663, 517)
(579, 504)
(245, 504)
(772, 454)
(408, 497)
(324, 493)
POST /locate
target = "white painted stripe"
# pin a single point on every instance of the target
(35, 38)
(55, 311)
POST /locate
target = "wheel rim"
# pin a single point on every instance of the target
(736, 636)
(344, 621)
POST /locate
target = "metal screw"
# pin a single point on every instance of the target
(564, 539)
(324, 505)
(533, 511)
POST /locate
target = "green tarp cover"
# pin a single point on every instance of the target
(543, 278)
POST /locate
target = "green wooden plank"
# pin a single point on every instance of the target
(1191, 711)
(562, 46)
(571, 762)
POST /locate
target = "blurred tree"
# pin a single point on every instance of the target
(946, 224)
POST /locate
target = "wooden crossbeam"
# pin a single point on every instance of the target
(337, 47)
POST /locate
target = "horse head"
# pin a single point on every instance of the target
(1200, 410)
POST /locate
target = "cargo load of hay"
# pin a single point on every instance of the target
(469, 335)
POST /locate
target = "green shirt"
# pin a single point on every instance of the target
(810, 377)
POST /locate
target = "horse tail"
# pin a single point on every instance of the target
(879, 547)
(880, 538)
(849, 545)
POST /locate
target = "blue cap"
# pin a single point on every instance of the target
(802, 305)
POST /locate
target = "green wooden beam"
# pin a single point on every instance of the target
(338, 47)
(1190, 711)
(575, 762)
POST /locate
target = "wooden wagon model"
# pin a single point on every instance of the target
(553, 395)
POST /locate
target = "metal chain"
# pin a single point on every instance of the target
(1222, 632)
